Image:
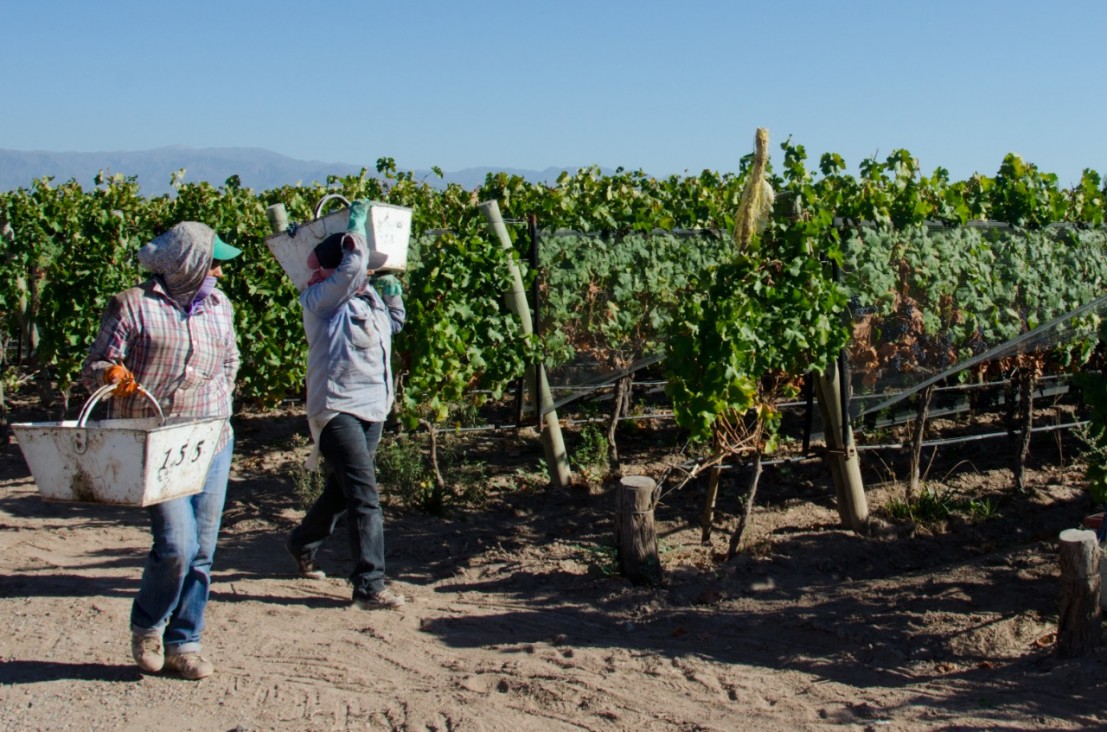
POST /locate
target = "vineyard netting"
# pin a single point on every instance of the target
(606, 302)
(955, 307)
(961, 304)
(616, 261)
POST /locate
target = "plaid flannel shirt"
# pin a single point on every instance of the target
(188, 362)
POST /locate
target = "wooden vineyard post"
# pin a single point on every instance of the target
(918, 430)
(635, 534)
(557, 459)
(1026, 381)
(708, 515)
(1078, 625)
(845, 466)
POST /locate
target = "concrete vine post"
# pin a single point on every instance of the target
(278, 218)
(557, 459)
(845, 465)
(752, 217)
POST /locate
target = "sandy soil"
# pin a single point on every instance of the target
(517, 622)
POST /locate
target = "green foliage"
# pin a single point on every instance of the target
(603, 557)
(930, 298)
(1093, 389)
(307, 484)
(611, 298)
(981, 509)
(1024, 196)
(402, 470)
(933, 506)
(736, 329)
(930, 506)
(459, 334)
(770, 314)
(1086, 200)
(757, 328)
(590, 453)
(72, 250)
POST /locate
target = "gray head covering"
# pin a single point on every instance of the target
(182, 256)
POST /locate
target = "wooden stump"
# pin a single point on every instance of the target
(1078, 626)
(635, 534)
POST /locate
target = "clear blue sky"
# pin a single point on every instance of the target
(663, 86)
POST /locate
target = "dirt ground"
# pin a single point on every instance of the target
(516, 620)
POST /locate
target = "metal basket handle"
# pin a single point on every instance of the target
(86, 410)
(330, 197)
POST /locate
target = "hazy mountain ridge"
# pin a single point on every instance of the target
(257, 168)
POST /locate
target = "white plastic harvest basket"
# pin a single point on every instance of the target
(387, 229)
(130, 462)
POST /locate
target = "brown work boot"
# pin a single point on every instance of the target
(148, 652)
(190, 666)
(306, 565)
(379, 600)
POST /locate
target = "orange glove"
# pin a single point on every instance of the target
(120, 374)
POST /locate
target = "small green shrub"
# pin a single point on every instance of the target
(604, 557)
(403, 470)
(934, 506)
(590, 455)
(470, 480)
(981, 509)
(931, 506)
(463, 414)
(1093, 389)
(307, 484)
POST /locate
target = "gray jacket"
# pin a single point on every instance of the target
(349, 331)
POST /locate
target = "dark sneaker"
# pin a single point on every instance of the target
(190, 666)
(148, 652)
(307, 566)
(380, 600)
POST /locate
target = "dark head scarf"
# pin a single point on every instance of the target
(328, 253)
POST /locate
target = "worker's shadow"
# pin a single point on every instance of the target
(30, 672)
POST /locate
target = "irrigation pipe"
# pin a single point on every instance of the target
(972, 438)
(690, 466)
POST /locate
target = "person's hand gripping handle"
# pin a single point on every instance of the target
(121, 375)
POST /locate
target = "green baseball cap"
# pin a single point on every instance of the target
(224, 251)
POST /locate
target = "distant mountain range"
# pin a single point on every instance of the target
(258, 169)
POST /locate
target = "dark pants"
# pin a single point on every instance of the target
(349, 446)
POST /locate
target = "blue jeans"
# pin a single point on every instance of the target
(349, 446)
(177, 578)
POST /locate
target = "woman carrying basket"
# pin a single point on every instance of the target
(174, 335)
